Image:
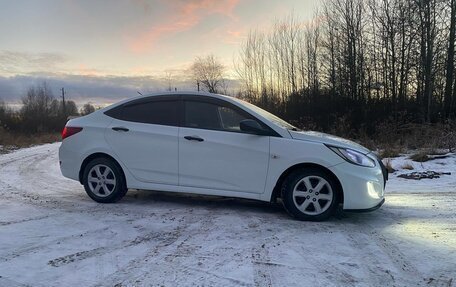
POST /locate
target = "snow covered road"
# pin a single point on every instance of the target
(53, 234)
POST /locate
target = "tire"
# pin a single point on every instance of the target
(104, 181)
(310, 194)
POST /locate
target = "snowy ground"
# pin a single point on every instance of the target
(52, 234)
(442, 163)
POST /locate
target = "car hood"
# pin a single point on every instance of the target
(328, 139)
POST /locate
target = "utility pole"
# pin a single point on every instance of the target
(63, 101)
(198, 84)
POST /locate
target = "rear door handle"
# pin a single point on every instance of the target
(120, 129)
(194, 138)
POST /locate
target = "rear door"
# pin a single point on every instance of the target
(214, 153)
(144, 136)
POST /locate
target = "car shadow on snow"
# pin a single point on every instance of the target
(191, 201)
(389, 214)
(186, 200)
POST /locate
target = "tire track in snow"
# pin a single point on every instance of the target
(40, 246)
(261, 266)
(171, 249)
(13, 159)
(157, 237)
(381, 274)
(4, 223)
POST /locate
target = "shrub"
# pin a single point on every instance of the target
(420, 157)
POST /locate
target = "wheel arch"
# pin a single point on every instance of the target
(276, 192)
(99, 155)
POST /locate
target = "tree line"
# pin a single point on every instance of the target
(40, 112)
(360, 61)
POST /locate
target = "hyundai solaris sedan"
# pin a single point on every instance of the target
(218, 145)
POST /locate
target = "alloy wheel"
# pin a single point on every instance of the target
(101, 180)
(312, 195)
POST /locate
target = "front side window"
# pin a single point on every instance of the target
(211, 116)
(273, 118)
(230, 119)
(152, 112)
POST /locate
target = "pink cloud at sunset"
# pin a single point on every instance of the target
(185, 15)
(106, 46)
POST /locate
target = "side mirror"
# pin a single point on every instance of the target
(253, 127)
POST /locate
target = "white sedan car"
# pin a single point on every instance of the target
(218, 145)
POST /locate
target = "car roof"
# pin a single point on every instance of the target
(168, 93)
(180, 93)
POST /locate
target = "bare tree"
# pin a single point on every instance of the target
(312, 43)
(6, 115)
(393, 57)
(36, 107)
(449, 99)
(209, 72)
(168, 77)
(41, 112)
(87, 108)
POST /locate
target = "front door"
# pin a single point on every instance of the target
(215, 154)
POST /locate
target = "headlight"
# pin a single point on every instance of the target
(353, 156)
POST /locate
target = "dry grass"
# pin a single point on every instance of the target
(389, 152)
(437, 152)
(10, 141)
(420, 156)
(389, 166)
(393, 137)
(408, 166)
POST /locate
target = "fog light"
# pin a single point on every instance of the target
(371, 190)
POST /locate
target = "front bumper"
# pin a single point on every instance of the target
(367, 209)
(363, 187)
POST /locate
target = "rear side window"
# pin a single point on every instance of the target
(211, 116)
(152, 112)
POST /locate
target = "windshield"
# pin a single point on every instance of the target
(268, 115)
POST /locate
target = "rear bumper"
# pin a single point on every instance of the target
(69, 162)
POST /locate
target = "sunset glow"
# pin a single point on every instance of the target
(125, 45)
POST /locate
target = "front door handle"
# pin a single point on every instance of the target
(194, 138)
(120, 129)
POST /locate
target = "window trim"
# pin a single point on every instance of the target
(181, 99)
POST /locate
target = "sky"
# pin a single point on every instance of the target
(103, 51)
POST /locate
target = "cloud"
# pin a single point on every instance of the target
(21, 62)
(83, 88)
(185, 15)
(145, 5)
(99, 90)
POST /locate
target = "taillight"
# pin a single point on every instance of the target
(69, 131)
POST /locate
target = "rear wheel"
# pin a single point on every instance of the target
(310, 194)
(103, 180)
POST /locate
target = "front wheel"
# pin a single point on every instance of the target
(310, 194)
(103, 181)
